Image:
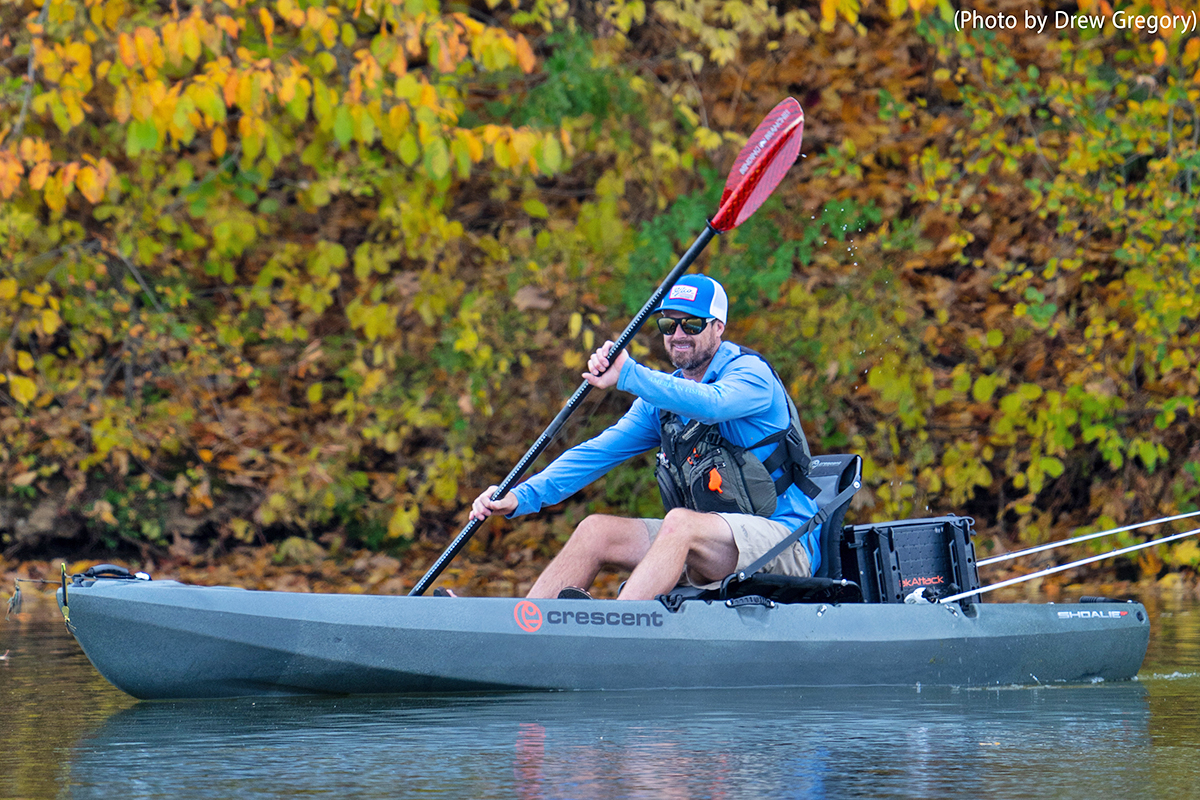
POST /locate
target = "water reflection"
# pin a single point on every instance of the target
(878, 743)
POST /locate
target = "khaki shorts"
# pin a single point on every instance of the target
(754, 536)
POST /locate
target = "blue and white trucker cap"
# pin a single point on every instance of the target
(698, 295)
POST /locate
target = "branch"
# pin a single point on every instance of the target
(41, 20)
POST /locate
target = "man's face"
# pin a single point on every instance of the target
(690, 352)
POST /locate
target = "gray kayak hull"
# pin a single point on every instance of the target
(165, 640)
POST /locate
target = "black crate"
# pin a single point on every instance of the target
(894, 559)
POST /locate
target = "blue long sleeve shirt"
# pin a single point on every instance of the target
(739, 393)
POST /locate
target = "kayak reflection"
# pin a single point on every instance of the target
(778, 743)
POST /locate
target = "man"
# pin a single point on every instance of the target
(715, 382)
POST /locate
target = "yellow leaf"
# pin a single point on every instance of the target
(398, 118)
(8, 288)
(149, 54)
(268, 24)
(1159, 48)
(402, 523)
(123, 104)
(24, 361)
(173, 43)
(190, 36)
(31, 299)
(576, 325)
(474, 146)
(372, 382)
(206, 455)
(219, 142)
(1191, 52)
(88, 183)
(51, 321)
(22, 389)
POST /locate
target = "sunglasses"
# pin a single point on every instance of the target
(691, 325)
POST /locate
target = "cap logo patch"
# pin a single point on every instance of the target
(682, 293)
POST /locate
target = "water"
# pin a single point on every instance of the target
(64, 732)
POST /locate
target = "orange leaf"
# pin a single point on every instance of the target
(228, 25)
(11, 171)
(38, 175)
(34, 150)
(128, 51)
(68, 173)
(525, 58)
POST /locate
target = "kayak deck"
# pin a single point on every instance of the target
(162, 639)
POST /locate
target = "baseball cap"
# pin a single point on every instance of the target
(699, 295)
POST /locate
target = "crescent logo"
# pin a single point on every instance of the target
(528, 616)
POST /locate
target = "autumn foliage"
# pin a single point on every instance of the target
(277, 268)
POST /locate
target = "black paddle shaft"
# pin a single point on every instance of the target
(553, 428)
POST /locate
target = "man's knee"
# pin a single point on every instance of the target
(603, 531)
(682, 524)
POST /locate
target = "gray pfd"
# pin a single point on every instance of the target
(700, 469)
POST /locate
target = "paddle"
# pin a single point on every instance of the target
(759, 168)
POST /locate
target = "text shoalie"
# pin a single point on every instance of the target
(1061, 20)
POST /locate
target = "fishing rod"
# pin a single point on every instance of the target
(1083, 538)
(1072, 565)
(759, 167)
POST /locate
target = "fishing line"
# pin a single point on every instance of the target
(1071, 565)
(1085, 537)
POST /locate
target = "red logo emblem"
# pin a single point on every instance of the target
(528, 616)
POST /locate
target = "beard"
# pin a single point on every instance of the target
(703, 349)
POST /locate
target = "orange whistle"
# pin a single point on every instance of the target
(714, 481)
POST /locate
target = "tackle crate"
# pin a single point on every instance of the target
(894, 559)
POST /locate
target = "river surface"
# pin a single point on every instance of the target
(66, 733)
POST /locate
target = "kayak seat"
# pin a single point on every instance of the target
(832, 474)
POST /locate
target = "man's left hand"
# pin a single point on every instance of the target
(601, 373)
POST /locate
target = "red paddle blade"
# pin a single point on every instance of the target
(761, 165)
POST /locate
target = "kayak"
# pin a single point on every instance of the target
(167, 640)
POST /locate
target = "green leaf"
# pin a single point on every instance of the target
(343, 126)
(536, 208)
(437, 158)
(141, 136)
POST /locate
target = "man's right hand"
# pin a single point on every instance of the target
(484, 506)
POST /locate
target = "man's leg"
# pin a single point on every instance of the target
(598, 541)
(702, 542)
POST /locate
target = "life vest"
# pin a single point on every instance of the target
(700, 469)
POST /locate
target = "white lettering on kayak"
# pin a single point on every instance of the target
(1091, 614)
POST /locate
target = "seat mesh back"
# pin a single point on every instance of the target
(832, 474)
